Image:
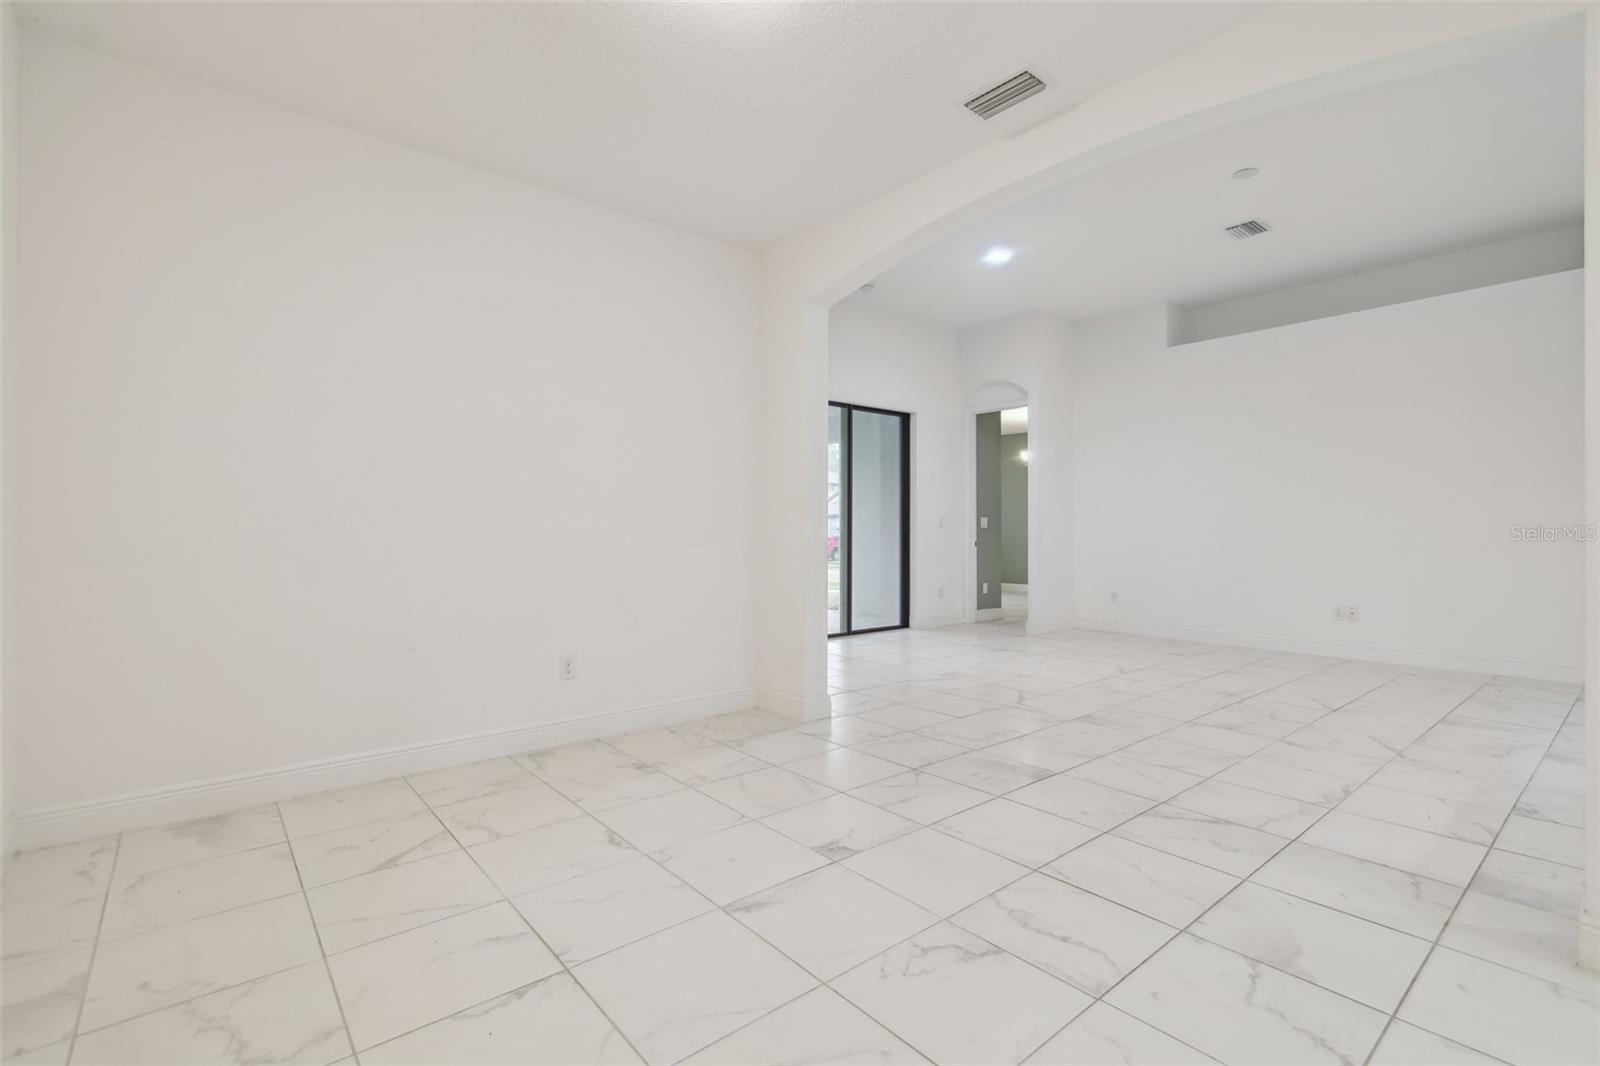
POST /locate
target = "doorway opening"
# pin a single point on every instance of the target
(1001, 458)
(869, 519)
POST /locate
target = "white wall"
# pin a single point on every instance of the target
(317, 446)
(1243, 487)
(9, 79)
(885, 360)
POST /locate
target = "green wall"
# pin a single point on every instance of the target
(1013, 510)
(989, 565)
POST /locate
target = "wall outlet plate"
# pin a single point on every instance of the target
(567, 668)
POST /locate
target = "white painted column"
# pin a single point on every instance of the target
(792, 635)
(1589, 919)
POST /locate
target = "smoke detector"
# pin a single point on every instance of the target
(1007, 94)
(1250, 227)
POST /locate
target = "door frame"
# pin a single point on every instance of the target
(847, 600)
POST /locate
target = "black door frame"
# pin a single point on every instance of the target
(847, 488)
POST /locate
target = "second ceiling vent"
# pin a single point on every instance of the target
(1007, 94)
(1250, 227)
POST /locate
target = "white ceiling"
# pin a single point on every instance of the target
(747, 122)
(1428, 164)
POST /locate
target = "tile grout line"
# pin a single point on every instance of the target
(94, 952)
(322, 949)
(1434, 946)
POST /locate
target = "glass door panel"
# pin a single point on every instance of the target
(868, 519)
(837, 550)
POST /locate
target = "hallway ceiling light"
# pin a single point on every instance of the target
(999, 255)
(1245, 173)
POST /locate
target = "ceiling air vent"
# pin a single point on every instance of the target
(1250, 227)
(1008, 93)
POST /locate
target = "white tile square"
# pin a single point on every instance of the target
(675, 992)
(735, 862)
(147, 850)
(663, 821)
(572, 760)
(290, 1016)
(986, 772)
(1429, 854)
(366, 908)
(766, 791)
(1500, 1012)
(600, 790)
(39, 1001)
(455, 783)
(830, 920)
(362, 849)
(1102, 1034)
(1152, 882)
(506, 813)
(959, 999)
(1082, 801)
(397, 984)
(178, 894)
(1086, 941)
(345, 807)
(839, 826)
(820, 1026)
(1017, 832)
(1225, 846)
(589, 915)
(1128, 774)
(935, 871)
(143, 973)
(551, 1022)
(911, 750)
(844, 768)
(1278, 815)
(921, 796)
(1237, 1010)
(1405, 901)
(1370, 963)
(552, 853)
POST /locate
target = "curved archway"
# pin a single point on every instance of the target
(1318, 51)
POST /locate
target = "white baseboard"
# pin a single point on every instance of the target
(1433, 660)
(800, 708)
(935, 621)
(988, 614)
(202, 799)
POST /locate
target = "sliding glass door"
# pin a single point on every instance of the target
(869, 501)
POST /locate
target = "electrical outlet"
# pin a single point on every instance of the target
(1116, 597)
(1347, 614)
(983, 521)
(986, 588)
(567, 668)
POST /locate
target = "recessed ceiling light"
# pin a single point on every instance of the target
(1245, 173)
(866, 290)
(999, 255)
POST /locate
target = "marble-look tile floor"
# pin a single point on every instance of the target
(1075, 848)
